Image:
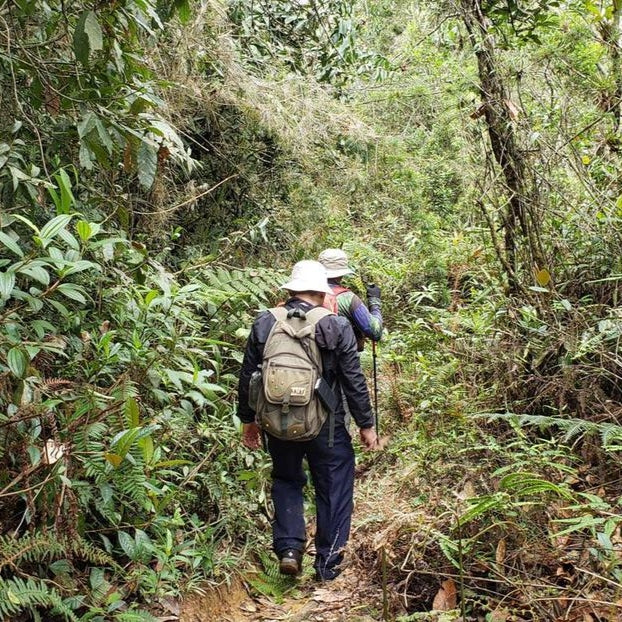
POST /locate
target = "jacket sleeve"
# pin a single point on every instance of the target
(253, 355)
(352, 378)
(368, 322)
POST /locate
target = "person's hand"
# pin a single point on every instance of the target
(251, 435)
(373, 291)
(369, 438)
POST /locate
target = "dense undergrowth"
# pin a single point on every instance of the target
(162, 164)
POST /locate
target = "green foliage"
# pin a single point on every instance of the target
(93, 101)
(116, 383)
(269, 582)
(316, 37)
(17, 595)
(521, 18)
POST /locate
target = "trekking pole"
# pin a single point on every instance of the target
(373, 353)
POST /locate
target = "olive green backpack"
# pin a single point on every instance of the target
(288, 406)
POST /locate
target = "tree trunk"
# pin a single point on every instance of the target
(519, 218)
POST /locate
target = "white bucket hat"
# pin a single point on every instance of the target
(308, 276)
(336, 262)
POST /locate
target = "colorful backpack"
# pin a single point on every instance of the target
(330, 300)
(331, 303)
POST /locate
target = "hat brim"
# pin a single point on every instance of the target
(300, 285)
(331, 274)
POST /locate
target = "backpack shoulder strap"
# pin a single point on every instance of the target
(317, 313)
(279, 313)
(313, 316)
(339, 289)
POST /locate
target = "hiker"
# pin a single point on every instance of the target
(329, 454)
(367, 323)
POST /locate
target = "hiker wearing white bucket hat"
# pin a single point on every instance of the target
(308, 276)
(366, 322)
(329, 451)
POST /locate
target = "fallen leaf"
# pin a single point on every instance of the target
(249, 607)
(468, 492)
(543, 277)
(328, 596)
(500, 615)
(500, 552)
(54, 451)
(447, 597)
(513, 110)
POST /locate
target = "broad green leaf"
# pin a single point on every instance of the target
(151, 295)
(66, 195)
(69, 239)
(59, 306)
(56, 198)
(143, 540)
(146, 446)
(17, 176)
(172, 463)
(74, 292)
(104, 136)
(79, 266)
(147, 162)
(132, 413)
(11, 244)
(127, 544)
(86, 125)
(36, 272)
(84, 155)
(17, 361)
(42, 327)
(7, 283)
(84, 230)
(53, 227)
(56, 255)
(87, 37)
(27, 222)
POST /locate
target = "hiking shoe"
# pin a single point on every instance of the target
(291, 562)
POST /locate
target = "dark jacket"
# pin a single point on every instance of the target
(340, 364)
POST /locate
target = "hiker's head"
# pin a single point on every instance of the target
(308, 280)
(336, 263)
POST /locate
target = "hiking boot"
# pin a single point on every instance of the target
(291, 562)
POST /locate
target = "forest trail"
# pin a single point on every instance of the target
(355, 596)
(339, 601)
(382, 509)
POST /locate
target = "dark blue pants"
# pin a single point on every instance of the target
(332, 472)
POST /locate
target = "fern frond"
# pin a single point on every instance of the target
(38, 547)
(570, 427)
(29, 548)
(17, 595)
(611, 436)
(269, 581)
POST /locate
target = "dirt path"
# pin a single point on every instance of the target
(339, 601)
(355, 596)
